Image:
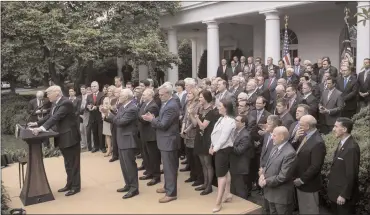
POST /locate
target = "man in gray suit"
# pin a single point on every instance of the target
(223, 93)
(330, 106)
(168, 138)
(127, 137)
(277, 177)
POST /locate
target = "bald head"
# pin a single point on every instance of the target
(39, 94)
(282, 81)
(307, 122)
(280, 135)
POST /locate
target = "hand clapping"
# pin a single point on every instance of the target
(148, 117)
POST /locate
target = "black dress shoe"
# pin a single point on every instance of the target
(205, 192)
(200, 188)
(141, 168)
(146, 177)
(184, 162)
(139, 156)
(125, 189)
(186, 169)
(104, 150)
(94, 150)
(72, 192)
(145, 172)
(182, 157)
(197, 183)
(162, 172)
(154, 181)
(130, 194)
(189, 180)
(64, 189)
(113, 159)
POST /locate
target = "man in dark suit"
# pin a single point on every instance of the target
(115, 105)
(38, 108)
(76, 103)
(62, 119)
(348, 85)
(240, 158)
(236, 88)
(283, 112)
(251, 66)
(292, 99)
(291, 78)
(270, 66)
(223, 93)
(167, 130)
(251, 90)
(270, 85)
(223, 71)
(343, 177)
(95, 125)
(364, 84)
(309, 99)
(297, 67)
(310, 159)
(294, 139)
(151, 153)
(262, 91)
(326, 67)
(281, 73)
(330, 106)
(277, 177)
(126, 136)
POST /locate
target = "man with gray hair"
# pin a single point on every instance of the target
(62, 119)
(311, 152)
(95, 125)
(38, 108)
(127, 140)
(168, 138)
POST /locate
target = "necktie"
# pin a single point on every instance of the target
(268, 141)
(94, 97)
(345, 82)
(338, 148)
(281, 73)
(270, 81)
(273, 152)
(296, 70)
(366, 74)
(295, 129)
(329, 94)
(259, 113)
(302, 143)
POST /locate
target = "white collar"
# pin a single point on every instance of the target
(344, 140)
(305, 96)
(281, 145)
(124, 106)
(58, 100)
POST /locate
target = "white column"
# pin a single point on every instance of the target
(272, 34)
(363, 37)
(259, 40)
(213, 48)
(173, 74)
(194, 66)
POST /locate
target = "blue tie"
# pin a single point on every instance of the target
(345, 82)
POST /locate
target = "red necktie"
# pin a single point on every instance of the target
(270, 83)
(94, 97)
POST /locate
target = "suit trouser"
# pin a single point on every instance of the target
(346, 209)
(253, 170)
(129, 168)
(153, 158)
(96, 128)
(83, 135)
(238, 186)
(114, 142)
(308, 202)
(281, 209)
(72, 157)
(170, 162)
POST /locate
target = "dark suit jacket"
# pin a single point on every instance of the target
(251, 101)
(167, 126)
(125, 122)
(265, 92)
(278, 174)
(364, 86)
(77, 106)
(279, 75)
(332, 70)
(237, 92)
(242, 153)
(227, 75)
(95, 115)
(294, 106)
(349, 93)
(293, 80)
(343, 176)
(334, 104)
(287, 120)
(266, 149)
(63, 121)
(313, 102)
(310, 160)
(32, 106)
(145, 128)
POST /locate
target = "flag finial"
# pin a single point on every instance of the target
(286, 21)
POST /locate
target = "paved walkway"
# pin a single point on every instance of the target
(100, 179)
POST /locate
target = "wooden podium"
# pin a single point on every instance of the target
(36, 187)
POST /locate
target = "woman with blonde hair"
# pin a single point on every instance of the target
(188, 132)
(106, 125)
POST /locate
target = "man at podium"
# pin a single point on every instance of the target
(63, 120)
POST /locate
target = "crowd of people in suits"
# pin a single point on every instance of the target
(253, 127)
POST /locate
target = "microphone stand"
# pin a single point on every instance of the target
(32, 113)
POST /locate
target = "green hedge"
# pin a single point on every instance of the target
(14, 155)
(13, 111)
(5, 200)
(361, 133)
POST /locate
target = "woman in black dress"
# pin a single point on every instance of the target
(205, 119)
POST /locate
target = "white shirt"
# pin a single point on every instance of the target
(52, 110)
(343, 141)
(223, 133)
(181, 94)
(307, 95)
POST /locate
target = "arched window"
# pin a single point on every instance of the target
(292, 40)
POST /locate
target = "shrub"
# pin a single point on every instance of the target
(361, 133)
(14, 155)
(185, 67)
(5, 200)
(202, 68)
(13, 111)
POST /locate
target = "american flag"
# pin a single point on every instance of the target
(286, 54)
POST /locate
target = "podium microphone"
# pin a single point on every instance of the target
(33, 112)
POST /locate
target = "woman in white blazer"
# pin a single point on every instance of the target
(222, 138)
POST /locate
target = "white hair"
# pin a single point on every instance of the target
(167, 87)
(242, 95)
(190, 81)
(39, 94)
(150, 92)
(54, 88)
(127, 93)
